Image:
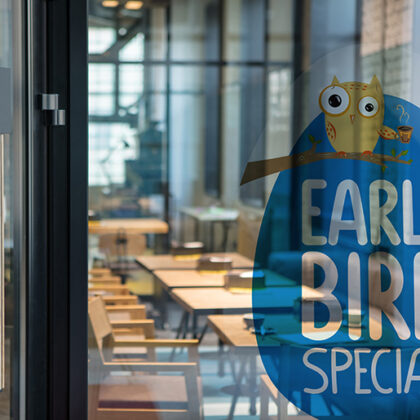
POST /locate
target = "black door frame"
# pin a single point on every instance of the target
(56, 369)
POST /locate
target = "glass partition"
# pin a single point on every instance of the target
(12, 261)
(207, 119)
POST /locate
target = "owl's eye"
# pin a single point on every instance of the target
(368, 106)
(334, 100)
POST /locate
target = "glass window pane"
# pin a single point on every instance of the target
(110, 146)
(158, 34)
(131, 78)
(101, 104)
(133, 50)
(187, 133)
(129, 100)
(232, 40)
(187, 29)
(278, 119)
(100, 39)
(280, 30)
(188, 123)
(14, 140)
(253, 135)
(244, 30)
(101, 78)
(231, 132)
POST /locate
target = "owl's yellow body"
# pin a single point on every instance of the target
(354, 114)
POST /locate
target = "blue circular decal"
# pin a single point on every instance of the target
(340, 248)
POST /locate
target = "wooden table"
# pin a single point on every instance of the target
(171, 279)
(169, 262)
(211, 215)
(138, 226)
(232, 332)
(209, 301)
(243, 342)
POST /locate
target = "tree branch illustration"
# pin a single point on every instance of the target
(261, 168)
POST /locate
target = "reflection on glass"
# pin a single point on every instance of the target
(232, 40)
(197, 91)
(10, 55)
(133, 50)
(280, 30)
(100, 39)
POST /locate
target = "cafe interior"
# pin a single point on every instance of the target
(183, 95)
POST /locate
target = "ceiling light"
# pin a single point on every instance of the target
(110, 3)
(134, 5)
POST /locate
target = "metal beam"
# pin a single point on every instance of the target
(122, 41)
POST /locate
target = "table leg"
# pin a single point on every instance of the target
(194, 325)
(161, 243)
(237, 393)
(253, 384)
(203, 333)
(212, 224)
(183, 227)
(232, 366)
(186, 323)
(221, 360)
(156, 243)
(226, 228)
(182, 331)
(181, 325)
(164, 301)
(196, 230)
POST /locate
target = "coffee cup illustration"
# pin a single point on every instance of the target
(405, 132)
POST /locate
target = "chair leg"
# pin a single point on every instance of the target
(282, 404)
(264, 402)
(253, 387)
(238, 387)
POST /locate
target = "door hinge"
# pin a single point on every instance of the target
(53, 116)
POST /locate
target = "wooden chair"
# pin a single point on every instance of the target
(118, 300)
(124, 308)
(120, 250)
(96, 272)
(127, 313)
(123, 312)
(104, 281)
(109, 290)
(129, 329)
(153, 392)
(268, 390)
(112, 244)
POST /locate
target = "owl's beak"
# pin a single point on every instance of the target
(352, 118)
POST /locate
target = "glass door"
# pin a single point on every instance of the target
(12, 256)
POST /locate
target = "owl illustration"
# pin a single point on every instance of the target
(354, 115)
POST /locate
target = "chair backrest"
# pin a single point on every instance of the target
(101, 327)
(100, 350)
(99, 281)
(123, 244)
(98, 272)
(111, 289)
(103, 332)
